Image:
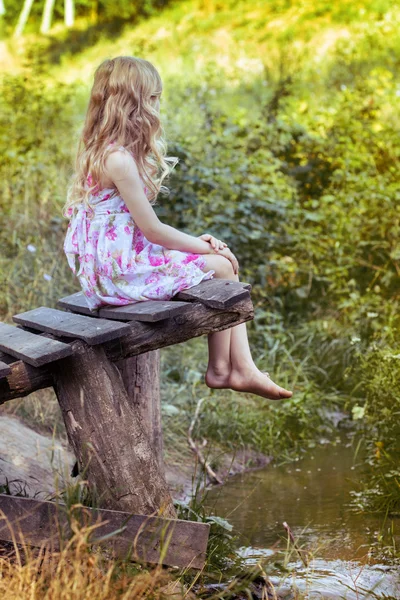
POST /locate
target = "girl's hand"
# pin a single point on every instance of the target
(231, 257)
(216, 244)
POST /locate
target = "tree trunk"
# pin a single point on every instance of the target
(107, 435)
(69, 13)
(23, 17)
(141, 377)
(47, 16)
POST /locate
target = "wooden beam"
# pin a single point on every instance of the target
(4, 370)
(33, 349)
(7, 358)
(149, 539)
(68, 325)
(201, 320)
(143, 337)
(23, 380)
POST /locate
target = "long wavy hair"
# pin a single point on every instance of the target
(122, 111)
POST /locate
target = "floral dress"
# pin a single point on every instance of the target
(117, 264)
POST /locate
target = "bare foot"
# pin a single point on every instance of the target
(217, 380)
(257, 382)
(252, 381)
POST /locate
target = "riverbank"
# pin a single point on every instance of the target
(341, 553)
(37, 465)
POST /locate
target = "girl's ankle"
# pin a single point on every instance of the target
(219, 369)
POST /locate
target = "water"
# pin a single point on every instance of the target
(312, 495)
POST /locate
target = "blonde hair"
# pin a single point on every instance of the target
(121, 111)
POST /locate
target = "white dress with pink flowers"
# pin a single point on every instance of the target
(117, 264)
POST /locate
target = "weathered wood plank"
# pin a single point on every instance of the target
(149, 539)
(149, 311)
(216, 293)
(33, 349)
(66, 324)
(76, 303)
(4, 370)
(107, 434)
(143, 337)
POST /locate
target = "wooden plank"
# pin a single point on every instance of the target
(31, 348)
(149, 311)
(150, 539)
(76, 303)
(216, 293)
(142, 337)
(65, 324)
(4, 370)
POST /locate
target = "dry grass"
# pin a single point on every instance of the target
(79, 572)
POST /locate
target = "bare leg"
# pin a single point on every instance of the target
(230, 362)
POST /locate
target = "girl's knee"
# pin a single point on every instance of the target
(221, 265)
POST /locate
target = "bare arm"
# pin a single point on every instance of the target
(122, 170)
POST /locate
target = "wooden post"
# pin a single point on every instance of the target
(141, 377)
(107, 434)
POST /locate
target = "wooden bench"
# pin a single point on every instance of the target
(104, 367)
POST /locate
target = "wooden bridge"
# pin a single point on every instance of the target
(105, 369)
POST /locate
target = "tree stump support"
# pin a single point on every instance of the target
(141, 377)
(107, 434)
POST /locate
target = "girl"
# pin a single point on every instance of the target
(126, 253)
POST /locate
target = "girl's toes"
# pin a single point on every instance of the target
(285, 393)
(281, 391)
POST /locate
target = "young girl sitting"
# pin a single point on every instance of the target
(126, 254)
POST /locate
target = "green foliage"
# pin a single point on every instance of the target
(221, 553)
(35, 166)
(379, 370)
(291, 158)
(100, 11)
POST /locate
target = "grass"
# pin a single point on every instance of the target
(211, 88)
(81, 569)
(254, 92)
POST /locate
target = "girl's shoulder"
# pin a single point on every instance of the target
(119, 157)
(118, 163)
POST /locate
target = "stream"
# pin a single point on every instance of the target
(313, 496)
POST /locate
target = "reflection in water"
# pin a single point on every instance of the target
(312, 496)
